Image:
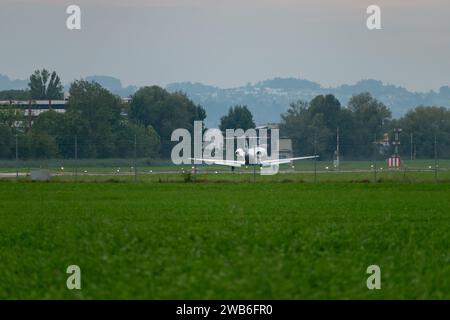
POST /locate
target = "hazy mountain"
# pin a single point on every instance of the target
(114, 85)
(8, 84)
(268, 99)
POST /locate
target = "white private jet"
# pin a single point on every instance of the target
(256, 156)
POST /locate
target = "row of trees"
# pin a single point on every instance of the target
(97, 121)
(103, 126)
(315, 125)
(425, 126)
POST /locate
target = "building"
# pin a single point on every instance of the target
(286, 148)
(285, 144)
(33, 108)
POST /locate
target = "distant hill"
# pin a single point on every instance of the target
(114, 85)
(8, 84)
(268, 99)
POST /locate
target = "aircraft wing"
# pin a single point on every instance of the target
(228, 163)
(283, 161)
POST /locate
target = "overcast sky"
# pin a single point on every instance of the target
(230, 42)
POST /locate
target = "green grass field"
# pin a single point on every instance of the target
(267, 240)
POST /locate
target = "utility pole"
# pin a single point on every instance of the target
(435, 159)
(17, 157)
(337, 148)
(135, 158)
(315, 159)
(76, 158)
(375, 158)
(29, 115)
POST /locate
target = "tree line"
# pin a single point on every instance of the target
(365, 128)
(103, 126)
(97, 122)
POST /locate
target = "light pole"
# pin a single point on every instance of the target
(435, 158)
(135, 158)
(315, 159)
(76, 158)
(411, 145)
(337, 148)
(375, 158)
(17, 157)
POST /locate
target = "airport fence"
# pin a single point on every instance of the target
(102, 158)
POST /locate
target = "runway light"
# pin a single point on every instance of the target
(85, 171)
(216, 172)
(326, 168)
(429, 167)
(151, 171)
(62, 168)
(293, 167)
